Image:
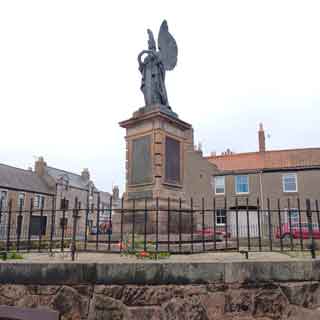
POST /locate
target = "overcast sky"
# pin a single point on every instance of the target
(69, 74)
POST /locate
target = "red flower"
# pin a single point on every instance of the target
(144, 254)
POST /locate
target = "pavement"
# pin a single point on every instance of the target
(118, 258)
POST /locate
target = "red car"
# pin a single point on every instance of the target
(295, 231)
(209, 232)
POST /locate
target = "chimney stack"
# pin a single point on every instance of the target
(85, 174)
(262, 139)
(40, 167)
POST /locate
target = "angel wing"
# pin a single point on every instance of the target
(167, 47)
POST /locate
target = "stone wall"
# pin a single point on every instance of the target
(247, 290)
(296, 300)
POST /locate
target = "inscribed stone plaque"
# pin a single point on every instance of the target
(139, 195)
(141, 169)
(172, 161)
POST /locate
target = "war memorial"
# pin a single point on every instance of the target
(158, 145)
(106, 284)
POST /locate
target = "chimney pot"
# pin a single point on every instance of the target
(262, 139)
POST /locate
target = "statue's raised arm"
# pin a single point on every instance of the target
(153, 65)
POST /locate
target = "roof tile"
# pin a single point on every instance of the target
(268, 160)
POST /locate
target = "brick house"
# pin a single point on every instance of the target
(277, 175)
(20, 186)
(51, 189)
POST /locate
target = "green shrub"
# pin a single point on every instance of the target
(10, 256)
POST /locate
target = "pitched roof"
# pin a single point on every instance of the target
(20, 179)
(75, 180)
(274, 159)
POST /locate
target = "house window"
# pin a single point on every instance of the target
(242, 184)
(38, 201)
(3, 199)
(221, 217)
(64, 205)
(21, 198)
(219, 185)
(289, 182)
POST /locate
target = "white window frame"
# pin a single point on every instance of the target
(4, 205)
(224, 185)
(221, 210)
(235, 183)
(24, 199)
(283, 182)
(39, 201)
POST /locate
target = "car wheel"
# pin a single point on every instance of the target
(286, 236)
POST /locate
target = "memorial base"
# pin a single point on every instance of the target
(161, 219)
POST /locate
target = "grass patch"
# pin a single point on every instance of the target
(10, 256)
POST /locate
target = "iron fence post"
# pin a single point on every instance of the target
(214, 224)
(310, 228)
(53, 221)
(63, 223)
(226, 223)
(110, 224)
(191, 206)
(121, 224)
(98, 222)
(133, 223)
(29, 229)
(180, 213)
(75, 216)
(270, 224)
(41, 224)
(248, 225)
(290, 225)
(9, 226)
(318, 214)
(237, 223)
(145, 226)
(168, 229)
(259, 222)
(86, 229)
(300, 225)
(19, 224)
(280, 225)
(157, 225)
(202, 212)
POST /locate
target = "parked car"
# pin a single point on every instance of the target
(295, 232)
(104, 228)
(209, 232)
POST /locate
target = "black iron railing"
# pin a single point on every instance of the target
(163, 225)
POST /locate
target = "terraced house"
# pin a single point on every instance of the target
(51, 189)
(286, 177)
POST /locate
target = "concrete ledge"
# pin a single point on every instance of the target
(156, 273)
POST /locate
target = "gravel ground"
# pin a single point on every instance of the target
(198, 257)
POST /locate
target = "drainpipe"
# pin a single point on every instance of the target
(261, 190)
(262, 202)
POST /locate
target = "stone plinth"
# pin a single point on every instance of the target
(156, 140)
(150, 217)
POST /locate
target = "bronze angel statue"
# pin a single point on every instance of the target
(153, 65)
